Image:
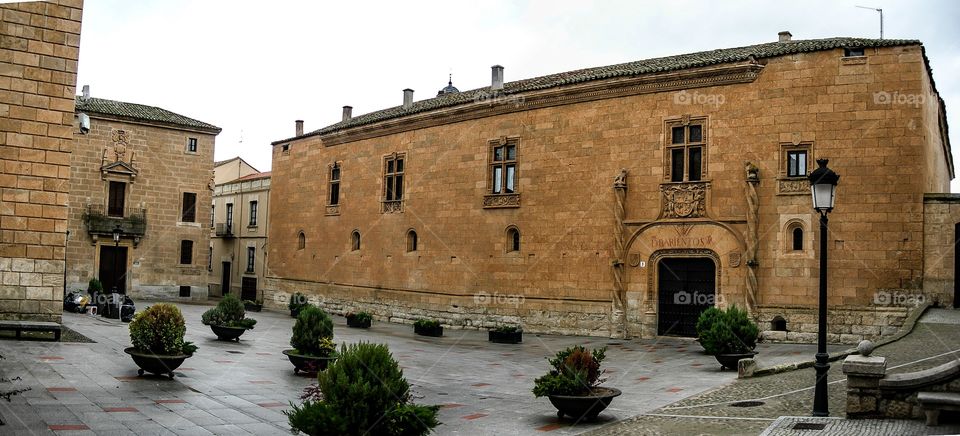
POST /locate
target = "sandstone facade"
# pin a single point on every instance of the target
(581, 247)
(39, 47)
(149, 171)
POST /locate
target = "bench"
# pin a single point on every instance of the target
(934, 402)
(32, 326)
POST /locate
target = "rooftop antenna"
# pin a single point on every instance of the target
(881, 17)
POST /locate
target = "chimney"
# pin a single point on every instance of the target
(785, 36)
(407, 98)
(347, 113)
(496, 83)
(86, 92)
(299, 127)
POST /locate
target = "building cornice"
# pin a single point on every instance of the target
(590, 91)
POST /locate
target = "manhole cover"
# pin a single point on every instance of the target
(808, 426)
(747, 404)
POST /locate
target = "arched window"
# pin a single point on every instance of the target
(797, 239)
(355, 240)
(411, 240)
(513, 239)
(301, 241)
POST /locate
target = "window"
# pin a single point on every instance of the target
(301, 241)
(503, 167)
(686, 151)
(251, 257)
(393, 177)
(253, 214)
(229, 217)
(797, 239)
(335, 185)
(355, 240)
(513, 239)
(411, 240)
(186, 252)
(192, 145)
(797, 163)
(189, 213)
(853, 51)
(115, 203)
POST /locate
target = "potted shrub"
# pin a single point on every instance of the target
(297, 301)
(729, 336)
(360, 320)
(428, 327)
(506, 334)
(363, 392)
(253, 306)
(312, 341)
(573, 384)
(228, 320)
(157, 338)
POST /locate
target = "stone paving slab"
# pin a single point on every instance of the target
(240, 388)
(787, 426)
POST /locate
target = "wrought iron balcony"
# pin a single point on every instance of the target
(224, 230)
(132, 221)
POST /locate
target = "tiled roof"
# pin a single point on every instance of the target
(647, 66)
(254, 176)
(139, 112)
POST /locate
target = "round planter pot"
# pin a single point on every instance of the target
(155, 363)
(307, 364)
(584, 407)
(353, 322)
(730, 360)
(227, 333)
(505, 337)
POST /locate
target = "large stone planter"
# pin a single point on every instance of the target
(505, 337)
(227, 333)
(307, 364)
(729, 361)
(155, 363)
(584, 407)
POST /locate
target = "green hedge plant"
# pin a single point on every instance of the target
(159, 330)
(313, 325)
(575, 371)
(228, 313)
(729, 331)
(363, 393)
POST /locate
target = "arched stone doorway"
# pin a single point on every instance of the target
(686, 286)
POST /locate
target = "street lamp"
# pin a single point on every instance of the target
(117, 231)
(823, 187)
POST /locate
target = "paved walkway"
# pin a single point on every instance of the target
(241, 388)
(721, 411)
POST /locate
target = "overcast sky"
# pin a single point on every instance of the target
(253, 67)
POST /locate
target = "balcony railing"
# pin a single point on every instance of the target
(133, 222)
(224, 230)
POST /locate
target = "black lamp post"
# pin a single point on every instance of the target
(823, 187)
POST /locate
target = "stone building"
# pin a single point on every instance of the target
(241, 199)
(139, 174)
(625, 199)
(39, 47)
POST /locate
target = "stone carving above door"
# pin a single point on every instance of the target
(684, 200)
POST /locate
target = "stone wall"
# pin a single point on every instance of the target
(165, 171)
(39, 47)
(569, 155)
